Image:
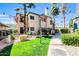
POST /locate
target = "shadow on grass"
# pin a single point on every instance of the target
(6, 51)
(47, 36)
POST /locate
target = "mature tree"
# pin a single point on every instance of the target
(25, 6)
(54, 12)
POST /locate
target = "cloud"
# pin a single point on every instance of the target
(6, 19)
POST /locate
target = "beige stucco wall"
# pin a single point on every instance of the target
(48, 22)
(43, 24)
(33, 23)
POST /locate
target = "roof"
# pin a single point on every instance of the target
(75, 18)
(42, 16)
(38, 14)
(34, 13)
(4, 25)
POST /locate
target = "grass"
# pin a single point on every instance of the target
(31, 48)
(6, 51)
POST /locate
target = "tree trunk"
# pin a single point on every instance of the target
(53, 26)
(40, 29)
(24, 18)
(64, 20)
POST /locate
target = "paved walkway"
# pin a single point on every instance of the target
(4, 44)
(56, 47)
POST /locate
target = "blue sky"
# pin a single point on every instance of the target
(9, 9)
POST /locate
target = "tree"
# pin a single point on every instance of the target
(64, 10)
(54, 12)
(25, 6)
(71, 24)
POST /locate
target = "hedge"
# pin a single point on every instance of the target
(70, 39)
(65, 30)
(77, 31)
(56, 30)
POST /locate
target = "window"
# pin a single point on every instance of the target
(0, 33)
(27, 29)
(50, 22)
(32, 17)
(32, 28)
(4, 33)
(7, 33)
(21, 19)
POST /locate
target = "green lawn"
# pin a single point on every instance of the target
(31, 48)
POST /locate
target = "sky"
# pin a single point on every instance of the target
(9, 10)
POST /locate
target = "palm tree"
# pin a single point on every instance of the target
(25, 6)
(64, 10)
(54, 12)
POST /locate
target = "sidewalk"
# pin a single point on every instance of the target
(56, 47)
(4, 44)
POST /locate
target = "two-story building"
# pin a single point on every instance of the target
(35, 22)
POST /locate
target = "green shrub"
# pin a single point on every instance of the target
(14, 31)
(47, 36)
(70, 39)
(77, 31)
(28, 33)
(46, 31)
(12, 36)
(65, 30)
(56, 30)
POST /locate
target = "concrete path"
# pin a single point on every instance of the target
(56, 47)
(72, 50)
(4, 44)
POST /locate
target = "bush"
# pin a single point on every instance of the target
(12, 36)
(65, 30)
(46, 31)
(29, 33)
(77, 31)
(56, 30)
(70, 39)
(14, 31)
(47, 36)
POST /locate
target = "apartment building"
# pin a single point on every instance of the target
(75, 20)
(3, 26)
(4, 31)
(35, 22)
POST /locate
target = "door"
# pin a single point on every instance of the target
(21, 30)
